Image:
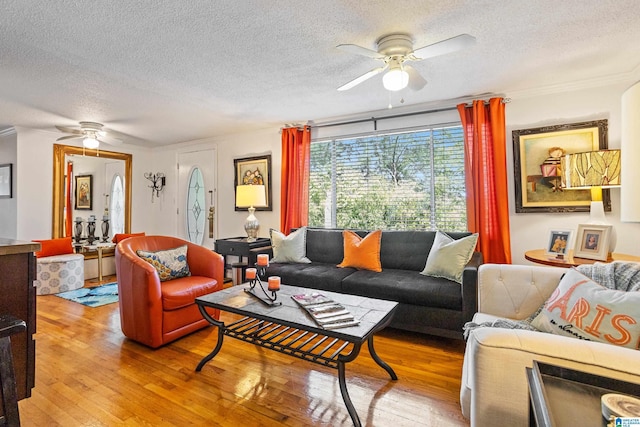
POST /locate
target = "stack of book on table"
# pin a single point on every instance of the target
(326, 312)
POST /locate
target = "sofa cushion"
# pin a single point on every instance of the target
(449, 256)
(170, 263)
(362, 252)
(583, 309)
(50, 247)
(181, 293)
(325, 245)
(405, 286)
(315, 275)
(291, 248)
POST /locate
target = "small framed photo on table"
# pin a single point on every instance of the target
(593, 241)
(558, 243)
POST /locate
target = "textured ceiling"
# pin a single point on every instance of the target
(160, 72)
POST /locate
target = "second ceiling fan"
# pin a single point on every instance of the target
(395, 50)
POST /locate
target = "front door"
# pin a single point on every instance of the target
(197, 196)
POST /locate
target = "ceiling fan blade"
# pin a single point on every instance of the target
(359, 50)
(69, 130)
(362, 78)
(107, 139)
(416, 81)
(445, 46)
(62, 138)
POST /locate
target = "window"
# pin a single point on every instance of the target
(403, 180)
(195, 204)
(117, 205)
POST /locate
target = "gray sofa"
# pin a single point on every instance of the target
(429, 305)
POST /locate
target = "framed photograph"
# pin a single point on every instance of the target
(6, 181)
(254, 171)
(84, 192)
(593, 241)
(537, 155)
(558, 244)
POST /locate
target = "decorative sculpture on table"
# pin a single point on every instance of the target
(273, 283)
(78, 229)
(91, 229)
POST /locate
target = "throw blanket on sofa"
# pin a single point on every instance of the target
(618, 275)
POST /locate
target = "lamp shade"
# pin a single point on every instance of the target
(250, 196)
(591, 169)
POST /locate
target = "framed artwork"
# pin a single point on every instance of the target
(593, 241)
(6, 181)
(254, 171)
(84, 192)
(558, 244)
(537, 155)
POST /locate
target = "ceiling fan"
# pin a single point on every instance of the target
(91, 133)
(397, 49)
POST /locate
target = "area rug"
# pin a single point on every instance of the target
(93, 297)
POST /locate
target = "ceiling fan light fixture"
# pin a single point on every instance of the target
(395, 79)
(90, 142)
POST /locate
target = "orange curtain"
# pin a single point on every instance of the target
(294, 195)
(486, 178)
(68, 211)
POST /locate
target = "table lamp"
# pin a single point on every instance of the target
(251, 196)
(593, 170)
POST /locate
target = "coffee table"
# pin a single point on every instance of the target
(290, 330)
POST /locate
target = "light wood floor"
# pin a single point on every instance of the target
(88, 374)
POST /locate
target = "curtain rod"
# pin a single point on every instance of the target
(395, 116)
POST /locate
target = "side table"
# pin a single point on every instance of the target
(99, 247)
(240, 247)
(566, 397)
(540, 256)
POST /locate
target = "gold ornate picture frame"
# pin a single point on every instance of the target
(254, 171)
(536, 168)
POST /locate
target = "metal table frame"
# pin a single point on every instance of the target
(301, 342)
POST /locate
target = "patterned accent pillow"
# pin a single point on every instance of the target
(583, 309)
(362, 253)
(291, 248)
(170, 264)
(448, 256)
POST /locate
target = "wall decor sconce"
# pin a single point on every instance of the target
(158, 182)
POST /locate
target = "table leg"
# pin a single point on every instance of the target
(379, 361)
(218, 346)
(342, 360)
(99, 249)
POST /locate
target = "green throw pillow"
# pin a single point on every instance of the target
(449, 256)
(170, 264)
(291, 248)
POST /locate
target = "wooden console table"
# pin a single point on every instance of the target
(541, 256)
(18, 266)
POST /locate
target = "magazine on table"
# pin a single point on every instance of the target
(326, 312)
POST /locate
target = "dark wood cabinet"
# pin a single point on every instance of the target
(18, 298)
(241, 248)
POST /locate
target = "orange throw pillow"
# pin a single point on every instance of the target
(362, 253)
(121, 236)
(52, 247)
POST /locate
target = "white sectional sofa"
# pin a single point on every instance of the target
(494, 384)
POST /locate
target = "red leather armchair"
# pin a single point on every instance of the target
(155, 313)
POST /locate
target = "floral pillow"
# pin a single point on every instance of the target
(170, 264)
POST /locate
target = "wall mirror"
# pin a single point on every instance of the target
(101, 160)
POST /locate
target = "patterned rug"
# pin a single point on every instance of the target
(93, 297)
